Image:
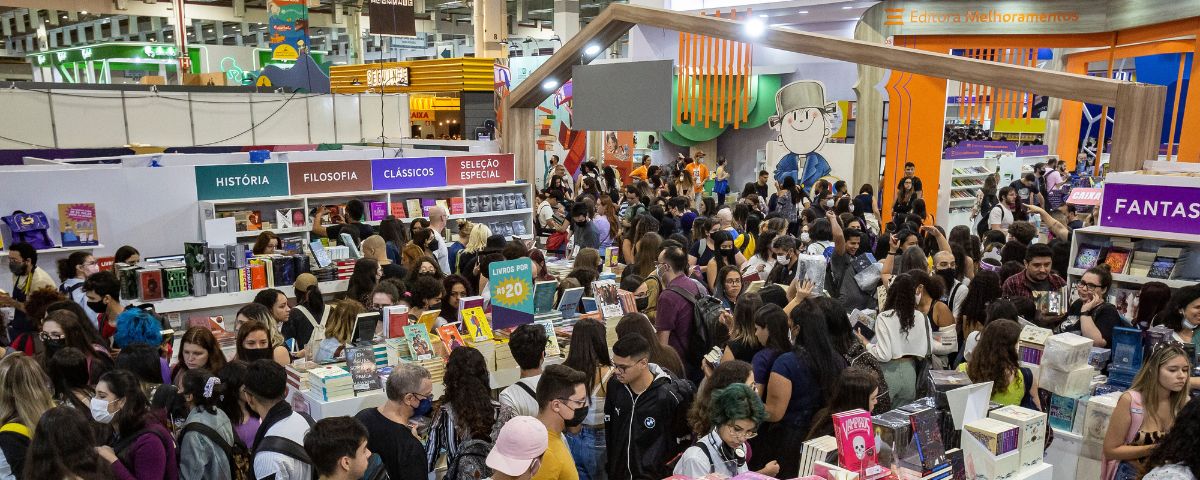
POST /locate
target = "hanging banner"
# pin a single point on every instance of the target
(618, 153)
(329, 177)
(219, 182)
(399, 173)
(288, 30)
(511, 284)
(1155, 208)
(392, 17)
(479, 169)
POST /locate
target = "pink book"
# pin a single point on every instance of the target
(379, 210)
(855, 439)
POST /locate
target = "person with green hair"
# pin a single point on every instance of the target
(735, 412)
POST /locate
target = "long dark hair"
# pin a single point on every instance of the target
(772, 318)
(902, 300)
(85, 326)
(194, 383)
(267, 298)
(995, 358)
(362, 281)
(985, 289)
(65, 447)
(723, 260)
(588, 350)
(232, 376)
(1180, 446)
(68, 374)
(392, 230)
(67, 266)
(133, 414)
(743, 317)
(1171, 317)
(813, 344)
(841, 336)
(1152, 301)
(311, 299)
(468, 392)
(853, 391)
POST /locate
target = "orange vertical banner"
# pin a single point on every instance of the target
(1004, 58)
(711, 108)
(720, 79)
(991, 101)
(679, 81)
(735, 56)
(694, 88)
(1029, 95)
(971, 93)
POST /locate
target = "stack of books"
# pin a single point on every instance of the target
(436, 367)
(1165, 261)
(330, 383)
(397, 350)
(345, 268)
(1031, 431)
(990, 449)
(927, 453)
(1064, 369)
(488, 349)
(820, 449)
(297, 374)
(1140, 263)
(1032, 342)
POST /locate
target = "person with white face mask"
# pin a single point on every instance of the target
(141, 447)
(903, 339)
(786, 254)
(1182, 316)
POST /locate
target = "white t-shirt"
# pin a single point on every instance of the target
(1001, 215)
(516, 398)
(545, 212)
(282, 466)
(958, 295)
(1173, 471)
(891, 342)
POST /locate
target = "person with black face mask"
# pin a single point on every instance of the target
(62, 329)
(27, 276)
(585, 232)
(409, 391)
(563, 404)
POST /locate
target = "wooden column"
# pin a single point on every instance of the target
(517, 138)
(1137, 128)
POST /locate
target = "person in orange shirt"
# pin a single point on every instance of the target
(699, 172)
(642, 171)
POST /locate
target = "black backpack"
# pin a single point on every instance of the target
(706, 323)
(240, 461)
(470, 462)
(284, 447)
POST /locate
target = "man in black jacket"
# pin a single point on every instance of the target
(644, 413)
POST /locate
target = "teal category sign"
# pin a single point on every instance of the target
(220, 182)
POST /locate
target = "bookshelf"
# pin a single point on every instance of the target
(220, 300)
(960, 183)
(1143, 243)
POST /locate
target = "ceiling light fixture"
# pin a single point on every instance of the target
(847, 7)
(755, 28)
(764, 16)
(550, 84)
(83, 12)
(591, 50)
(804, 12)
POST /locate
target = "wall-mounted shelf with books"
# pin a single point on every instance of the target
(276, 231)
(1135, 257)
(218, 300)
(82, 248)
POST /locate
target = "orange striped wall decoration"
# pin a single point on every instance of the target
(713, 78)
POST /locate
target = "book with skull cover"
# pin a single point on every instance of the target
(856, 440)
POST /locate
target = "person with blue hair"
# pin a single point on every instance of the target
(735, 413)
(136, 325)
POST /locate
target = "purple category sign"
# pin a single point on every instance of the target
(1033, 150)
(959, 152)
(417, 172)
(1151, 207)
(992, 145)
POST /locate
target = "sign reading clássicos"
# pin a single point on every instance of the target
(479, 169)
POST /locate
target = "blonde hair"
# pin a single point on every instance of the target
(478, 239)
(24, 391)
(341, 319)
(465, 227)
(1146, 382)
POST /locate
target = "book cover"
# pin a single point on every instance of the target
(77, 224)
(418, 342)
(364, 372)
(426, 204)
(395, 318)
(469, 302)
(628, 301)
(855, 439)
(589, 305)
(1117, 259)
(428, 319)
(450, 337)
(283, 218)
(543, 296)
(457, 206)
(150, 283)
(927, 437)
(611, 257)
(413, 205)
(568, 303)
(398, 210)
(378, 211)
(1162, 267)
(441, 202)
(258, 277)
(320, 255)
(195, 257)
(1125, 299)
(607, 299)
(1087, 257)
(478, 327)
(552, 348)
(178, 285)
(105, 264)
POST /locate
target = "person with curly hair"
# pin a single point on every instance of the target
(995, 360)
(726, 374)
(735, 413)
(1178, 454)
(1146, 412)
(466, 410)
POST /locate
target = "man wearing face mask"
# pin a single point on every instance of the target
(27, 276)
(562, 403)
(786, 255)
(519, 449)
(281, 434)
(586, 234)
(103, 291)
(391, 432)
(946, 267)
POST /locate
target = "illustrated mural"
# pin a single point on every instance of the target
(288, 23)
(804, 120)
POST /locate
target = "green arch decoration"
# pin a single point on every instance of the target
(762, 106)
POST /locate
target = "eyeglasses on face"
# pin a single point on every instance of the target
(624, 368)
(742, 433)
(574, 403)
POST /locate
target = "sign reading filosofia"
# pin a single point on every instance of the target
(479, 169)
(387, 77)
(329, 176)
(392, 17)
(1156, 208)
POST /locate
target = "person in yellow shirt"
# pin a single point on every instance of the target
(643, 171)
(699, 172)
(562, 404)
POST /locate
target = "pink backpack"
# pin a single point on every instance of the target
(1136, 416)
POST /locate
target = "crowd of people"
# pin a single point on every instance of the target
(731, 361)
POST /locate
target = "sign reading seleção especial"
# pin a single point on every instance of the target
(1151, 207)
(511, 284)
(479, 169)
(399, 173)
(219, 182)
(329, 177)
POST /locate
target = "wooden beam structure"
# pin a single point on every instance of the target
(1133, 102)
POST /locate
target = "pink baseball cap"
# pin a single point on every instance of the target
(521, 440)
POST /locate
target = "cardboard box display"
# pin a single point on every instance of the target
(1066, 351)
(1070, 383)
(1031, 433)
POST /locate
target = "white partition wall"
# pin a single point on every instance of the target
(162, 119)
(32, 127)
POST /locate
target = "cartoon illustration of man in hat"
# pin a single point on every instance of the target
(804, 120)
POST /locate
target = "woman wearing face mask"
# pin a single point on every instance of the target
(736, 413)
(945, 335)
(902, 338)
(62, 329)
(1182, 316)
(198, 348)
(245, 423)
(338, 330)
(725, 256)
(74, 270)
(207, 430)
(141, 448)
(589, 354)
(256, 311)
(254, 343)
(1146, 412)
(24, 397)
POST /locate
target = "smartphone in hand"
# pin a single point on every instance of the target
(865, 331)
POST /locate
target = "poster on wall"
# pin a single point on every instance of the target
(77, 224)
(804, 121)
(392, 17)
(618, 152)
(288, 28)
